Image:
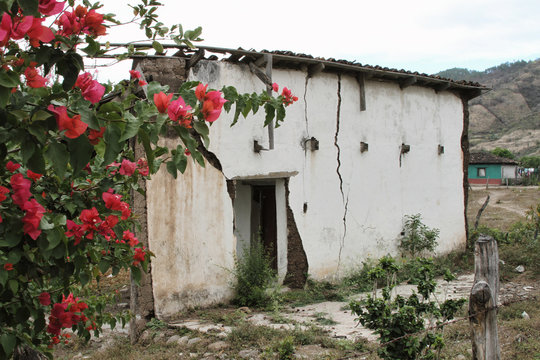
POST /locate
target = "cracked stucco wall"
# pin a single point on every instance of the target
(348, 206)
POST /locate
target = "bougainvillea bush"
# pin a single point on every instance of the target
(67, 165)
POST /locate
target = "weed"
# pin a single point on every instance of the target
(417, 238)
(323, 319)
(254, 275)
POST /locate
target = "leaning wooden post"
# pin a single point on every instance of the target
(483, 300)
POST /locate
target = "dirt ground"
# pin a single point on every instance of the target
(214, 333)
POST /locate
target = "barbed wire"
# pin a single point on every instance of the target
(434, 327)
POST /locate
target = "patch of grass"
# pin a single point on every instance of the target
(324, 319)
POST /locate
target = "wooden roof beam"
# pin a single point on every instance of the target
(441, 87)
(195, 58)
(315, 69)
(407, 82)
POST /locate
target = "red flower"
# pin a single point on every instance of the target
(200, 91)
(162, 101)
(8, 266)
(212, 106)
(127, 168)
(275, 87)
(32, 175)
(21, 189)
(44, 298)
(32, 218)
(33, 79)
(178, 110)
(112, 201)
(130, 238)
(74, 126)
(288, 98)
(75, 230)
(50, 7)
(39, 33)
(15, 28)
(95, 135)
(11, 166)
(142, 167)
(3, 191)
(139, 256)
(142, 83)
(91, 89)
(134, 74)
(93, 22)
(90, 217)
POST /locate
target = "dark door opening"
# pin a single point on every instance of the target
(263, 219)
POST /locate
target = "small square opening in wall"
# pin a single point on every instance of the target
(481, 172)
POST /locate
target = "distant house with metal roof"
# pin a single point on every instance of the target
(488, 169)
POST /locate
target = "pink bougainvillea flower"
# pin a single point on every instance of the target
(212, 105)
(33, 79)
(162, 101)
(5, 29)
(142, 167)
(12, 167)
(32, 175)
(91, 89)
(288, 97)
(93, 24)
(8, 266)
(275, 87)
(74, 126)
(130, 238)
(178, 109)
(50, 7)
(21, 189)
(127, 167)
(142, 83)
(94, 135)
(19, 26)
(200, 91)
(39, 33)
(139, 256)
(3, 191)
(45, 298)
(134, 74)
(32, 218)
(90, 217)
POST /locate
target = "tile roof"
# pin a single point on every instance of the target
(488, 158)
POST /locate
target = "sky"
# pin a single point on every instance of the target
(416, 35)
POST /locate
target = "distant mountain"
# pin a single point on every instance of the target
(508, 116)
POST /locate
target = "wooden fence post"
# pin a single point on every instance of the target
(483, 300)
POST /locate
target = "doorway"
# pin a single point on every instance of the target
(264, 220)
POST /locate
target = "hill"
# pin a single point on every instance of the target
(508, 116)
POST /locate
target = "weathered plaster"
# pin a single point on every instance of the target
(346, 206)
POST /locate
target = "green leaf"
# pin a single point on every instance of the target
(44, 224)
(54, 236)
(29, 7)
(9, 79)
(36, 163)
(3, 277)
(57, 154)
(158, 47)
(132, 126)
(11, 239)
(92, 48)
(80, 152)
(27, 150)
(13, 285)
(113, 144)
(104, 266)
(37, 129)
(39, 323)
(171, 168)
(5, 94)
(84, 278)
(22, 314)
(145, 139)
(136, 274)
(270, 114)
(8, 342)
(202, 129)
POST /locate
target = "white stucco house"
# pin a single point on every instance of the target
(361, 148)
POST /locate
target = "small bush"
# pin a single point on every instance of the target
(417, 238)
(254, 275)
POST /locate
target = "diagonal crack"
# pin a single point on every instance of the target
(338, 171)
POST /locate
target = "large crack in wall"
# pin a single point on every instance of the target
(297, 264)
(465, 150)
(338, 171)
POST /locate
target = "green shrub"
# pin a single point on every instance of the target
(253, 275)
(417, 238)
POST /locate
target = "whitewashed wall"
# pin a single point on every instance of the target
(356, 201)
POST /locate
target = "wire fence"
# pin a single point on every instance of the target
(431, 328)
